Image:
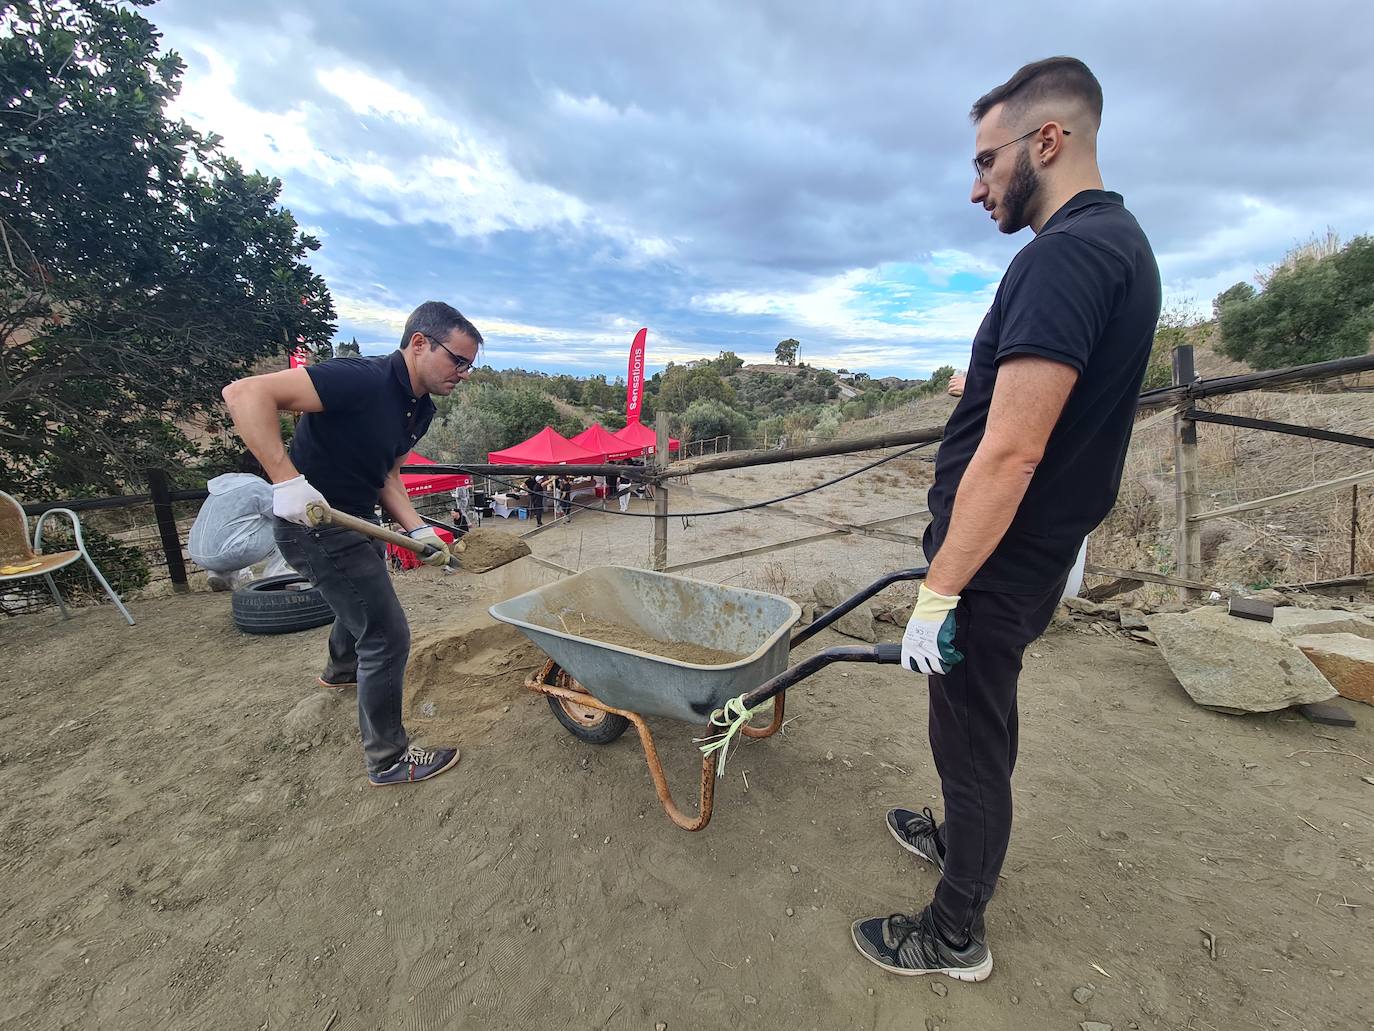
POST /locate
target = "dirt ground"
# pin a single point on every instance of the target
(176, 853)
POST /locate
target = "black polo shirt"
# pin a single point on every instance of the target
(1084, 292)
(370, 419)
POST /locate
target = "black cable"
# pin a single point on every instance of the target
(739, 508)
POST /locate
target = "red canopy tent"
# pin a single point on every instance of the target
(434, 483)
(547, 447)
(601, 440)
(636, 434)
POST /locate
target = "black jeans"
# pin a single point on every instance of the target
(973, 737)
(537, 508)
(370, 634)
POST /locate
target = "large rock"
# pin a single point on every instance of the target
(1346, 660)
(858, 624)
(1236, 665)
(1303, 622)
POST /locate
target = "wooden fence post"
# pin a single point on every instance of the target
(661, 496)
(161, 491)
(1189, 543)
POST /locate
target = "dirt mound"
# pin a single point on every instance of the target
(460, 672)
(487, 549)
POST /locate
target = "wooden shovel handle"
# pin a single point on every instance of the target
(319, 514)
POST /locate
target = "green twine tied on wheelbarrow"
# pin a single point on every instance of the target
(734, 715)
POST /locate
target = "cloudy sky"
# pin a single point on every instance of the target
(733, 173)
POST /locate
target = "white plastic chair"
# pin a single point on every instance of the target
(20, 561)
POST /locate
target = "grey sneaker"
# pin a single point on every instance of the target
(916, 832)
(913, 945)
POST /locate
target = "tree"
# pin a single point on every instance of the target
(348, 350)
(140, 268)
(597, 393)
(711, 417)
(1239, 292)
(786, 351)
(727, 363)
(681, 386)
(1313, 308)
(939, 380)
(1177, 325)
(465, 433)
(523, 411)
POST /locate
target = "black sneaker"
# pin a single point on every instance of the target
(415, 765)
(916, 832)
(337, 681)
(913, 945)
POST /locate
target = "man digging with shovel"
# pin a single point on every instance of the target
(361, 417)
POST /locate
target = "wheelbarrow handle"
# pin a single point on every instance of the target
(320, 514)
(850, 604)
(885, 654)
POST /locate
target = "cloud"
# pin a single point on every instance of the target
(731, 174)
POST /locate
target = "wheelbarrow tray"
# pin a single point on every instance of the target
(752, 624)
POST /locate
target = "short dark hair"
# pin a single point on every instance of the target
(436, 320)
(1054, 78)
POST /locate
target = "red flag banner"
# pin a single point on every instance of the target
(300, 358)
(634, 381)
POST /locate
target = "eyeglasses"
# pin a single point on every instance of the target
(460, 363)
(983, 162)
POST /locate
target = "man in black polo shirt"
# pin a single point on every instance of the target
(362, 416)
(1030, 463)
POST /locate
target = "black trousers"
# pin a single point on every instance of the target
(973, 736)
(370, 635)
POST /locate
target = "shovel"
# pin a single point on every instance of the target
(319, 514)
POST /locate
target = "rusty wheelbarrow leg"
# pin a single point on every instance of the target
(540, 682)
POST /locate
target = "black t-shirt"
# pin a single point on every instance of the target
(370, 419)
(533, 488)
(1084, 292)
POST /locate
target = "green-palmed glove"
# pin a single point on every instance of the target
(928, 644)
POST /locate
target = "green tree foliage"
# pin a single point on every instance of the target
(939, 381)
(523, 411)
(348, 350)
(786, 351)
(1177, 326)
(465, 433)
(1239, 292)
(597, 393)
(1312, 309)
(728, 363)
(123, 565)
(711, 417)
(680, 386)
(140, 268)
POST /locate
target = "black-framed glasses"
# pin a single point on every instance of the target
(984, 161)
(460, 363)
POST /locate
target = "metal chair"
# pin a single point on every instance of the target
(20, 561)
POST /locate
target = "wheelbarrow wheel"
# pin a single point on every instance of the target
(592, 725)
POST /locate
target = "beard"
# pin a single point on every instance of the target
(1022, 192)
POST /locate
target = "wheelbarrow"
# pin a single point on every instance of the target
(598, 690)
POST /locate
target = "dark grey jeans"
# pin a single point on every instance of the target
(370, 636)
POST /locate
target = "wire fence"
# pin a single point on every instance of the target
(1310, 537)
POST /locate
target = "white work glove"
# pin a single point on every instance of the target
(290, 498)
(428, 535)
(928, 643)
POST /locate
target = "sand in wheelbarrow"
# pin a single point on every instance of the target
(487, 549)
(633, 637)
